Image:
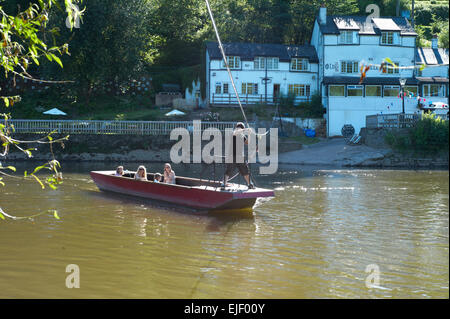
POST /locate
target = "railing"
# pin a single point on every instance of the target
(231, 99)
(394, 121)
(110, 127)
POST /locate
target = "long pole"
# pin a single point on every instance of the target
(265, 80)
(403, 99)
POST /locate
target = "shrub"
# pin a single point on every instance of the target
(430, 134)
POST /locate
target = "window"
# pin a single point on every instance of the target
(298, 64)
(249, 88)
(349, 66)
(354, 90)
(336, 90)
(373, 90)
(300, 89)
(411, 89)
(390, 38)
(218, 88)
(348, 37)
(260, 63)
(393, 70)
(225, 88)
(391, 90)
(433, 90)
(234, 62)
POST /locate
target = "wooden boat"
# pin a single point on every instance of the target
(188, 192)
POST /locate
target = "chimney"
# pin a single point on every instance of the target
(322, 14)
(434, 42)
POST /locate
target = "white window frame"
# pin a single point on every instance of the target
(391, 70)
(441, 91)
(348, 37)
(252, 87)
(379, 86)
(389, 38)
(410, 86)
(354, 66)
(234, 62)
(303, 90)
(391, 87)
(299, 64)
(355, 87)
(218, 88)
(260, 63)
(329, 87)
(225, 87)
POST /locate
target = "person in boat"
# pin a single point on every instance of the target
(119, 171)
(141, 173)
(238, 132)
(169, 174)
(157, 178)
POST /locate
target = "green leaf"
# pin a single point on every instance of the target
(38, 180)
(1, 216)
(55, 214)
(58, 60)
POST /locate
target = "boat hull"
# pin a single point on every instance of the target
(188, 192)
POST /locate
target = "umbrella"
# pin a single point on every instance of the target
(54, 111)
(175, 113)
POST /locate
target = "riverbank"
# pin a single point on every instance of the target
(336, 152)
(328, 152)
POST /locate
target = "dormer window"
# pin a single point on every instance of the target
(261, 62)
(234, 62)
(348, 37)
(299, 64)
(390, 38)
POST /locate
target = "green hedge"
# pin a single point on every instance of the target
(430, 135)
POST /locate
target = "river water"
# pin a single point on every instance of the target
(328, 233)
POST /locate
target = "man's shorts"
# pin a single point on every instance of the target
(242, 167)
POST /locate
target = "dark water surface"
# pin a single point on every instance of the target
(315, 239)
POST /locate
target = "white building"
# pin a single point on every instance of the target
(261, 73)
(434, 78)
(346, 43)
(331, 65)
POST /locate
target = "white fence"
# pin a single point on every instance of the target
(110, 127)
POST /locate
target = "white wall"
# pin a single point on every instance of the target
(282, 76)
(353, 110)
(437, 71)
(368, 51)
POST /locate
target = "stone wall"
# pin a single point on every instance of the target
(375, 138)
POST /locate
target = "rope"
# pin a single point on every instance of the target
(225, 61)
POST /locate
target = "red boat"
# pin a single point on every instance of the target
(188, 192)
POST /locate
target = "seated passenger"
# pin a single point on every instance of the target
(119, 171)
(141, 174)
(169, 174)
(158, 178)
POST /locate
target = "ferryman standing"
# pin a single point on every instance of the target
(242, 166)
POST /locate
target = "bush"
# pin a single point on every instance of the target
(430, 135)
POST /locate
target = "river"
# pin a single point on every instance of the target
(328, 233)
